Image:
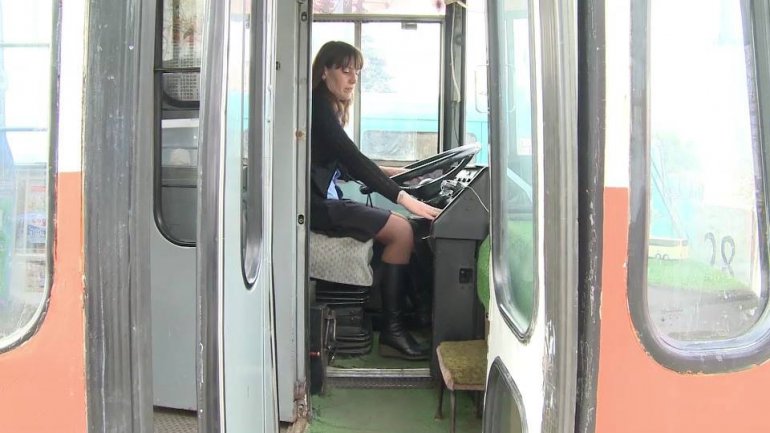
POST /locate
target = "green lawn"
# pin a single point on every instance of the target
(690, 275)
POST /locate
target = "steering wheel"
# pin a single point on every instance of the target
(452, 160)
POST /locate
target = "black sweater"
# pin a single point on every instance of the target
(331, 148)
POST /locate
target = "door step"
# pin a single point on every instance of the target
(379, 377)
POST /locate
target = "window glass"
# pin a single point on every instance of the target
(182, 32)
(240, 74)
(400, 86)
(324, 32)
(503, 411)
(26, 36)
(704, 274)
(514, 225)
(180, 61)
(476, 97)
(382, 7)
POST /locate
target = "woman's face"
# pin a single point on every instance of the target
(341, 81)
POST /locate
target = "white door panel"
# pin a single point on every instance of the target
(246, 324)
(533, 314)
(247, 333)
(523, 361)
(173, 293)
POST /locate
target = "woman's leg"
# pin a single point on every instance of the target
(397, 237)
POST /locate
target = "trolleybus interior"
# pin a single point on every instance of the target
(422, 103)
(408, 111)
(629, 222)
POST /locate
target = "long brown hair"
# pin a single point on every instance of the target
(335, 55)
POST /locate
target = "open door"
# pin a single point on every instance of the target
(533, 315)
(237, 368)
(685, 331)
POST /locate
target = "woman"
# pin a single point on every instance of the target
(334, 76)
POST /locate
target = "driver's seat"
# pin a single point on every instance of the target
(341, 276)
(340, 260)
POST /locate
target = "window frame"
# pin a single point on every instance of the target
(697, 357)
(23, 334)
(500, 272)
(251, 204)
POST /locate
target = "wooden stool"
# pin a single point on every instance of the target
(463, 367)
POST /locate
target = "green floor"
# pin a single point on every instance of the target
(343, 410)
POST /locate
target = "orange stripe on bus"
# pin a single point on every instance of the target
(42, 382)
(637, 395)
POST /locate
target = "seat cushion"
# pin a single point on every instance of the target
(463, 364)
(341, 260)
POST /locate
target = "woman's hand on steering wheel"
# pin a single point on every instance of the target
(417, 207)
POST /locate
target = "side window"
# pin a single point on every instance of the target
(177, 92)
(702, 280)
(513, 159)
(27, 46)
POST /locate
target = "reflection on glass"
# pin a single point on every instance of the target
(181, 50)
(514, 244)
(25, 104)
(179, 178)
(182, 32)
(703, 275)
(239, 100)
(400, 86)
(381, 7)
(181, 47)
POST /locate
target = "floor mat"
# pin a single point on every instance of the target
(175, 421)
(389, 411)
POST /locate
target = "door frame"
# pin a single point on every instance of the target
(558, 21)
(118, 309)
(290, 167)
(591, 141)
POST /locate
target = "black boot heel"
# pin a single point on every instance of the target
(387, 351)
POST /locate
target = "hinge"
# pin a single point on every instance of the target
(300, 400)
(458, 2)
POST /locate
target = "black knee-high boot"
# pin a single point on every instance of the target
(393, 334)
(420, 317)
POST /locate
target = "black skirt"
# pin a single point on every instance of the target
(347, 218)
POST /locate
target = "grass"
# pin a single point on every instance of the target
(690, 275)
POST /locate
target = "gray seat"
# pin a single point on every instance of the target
(341, 260)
